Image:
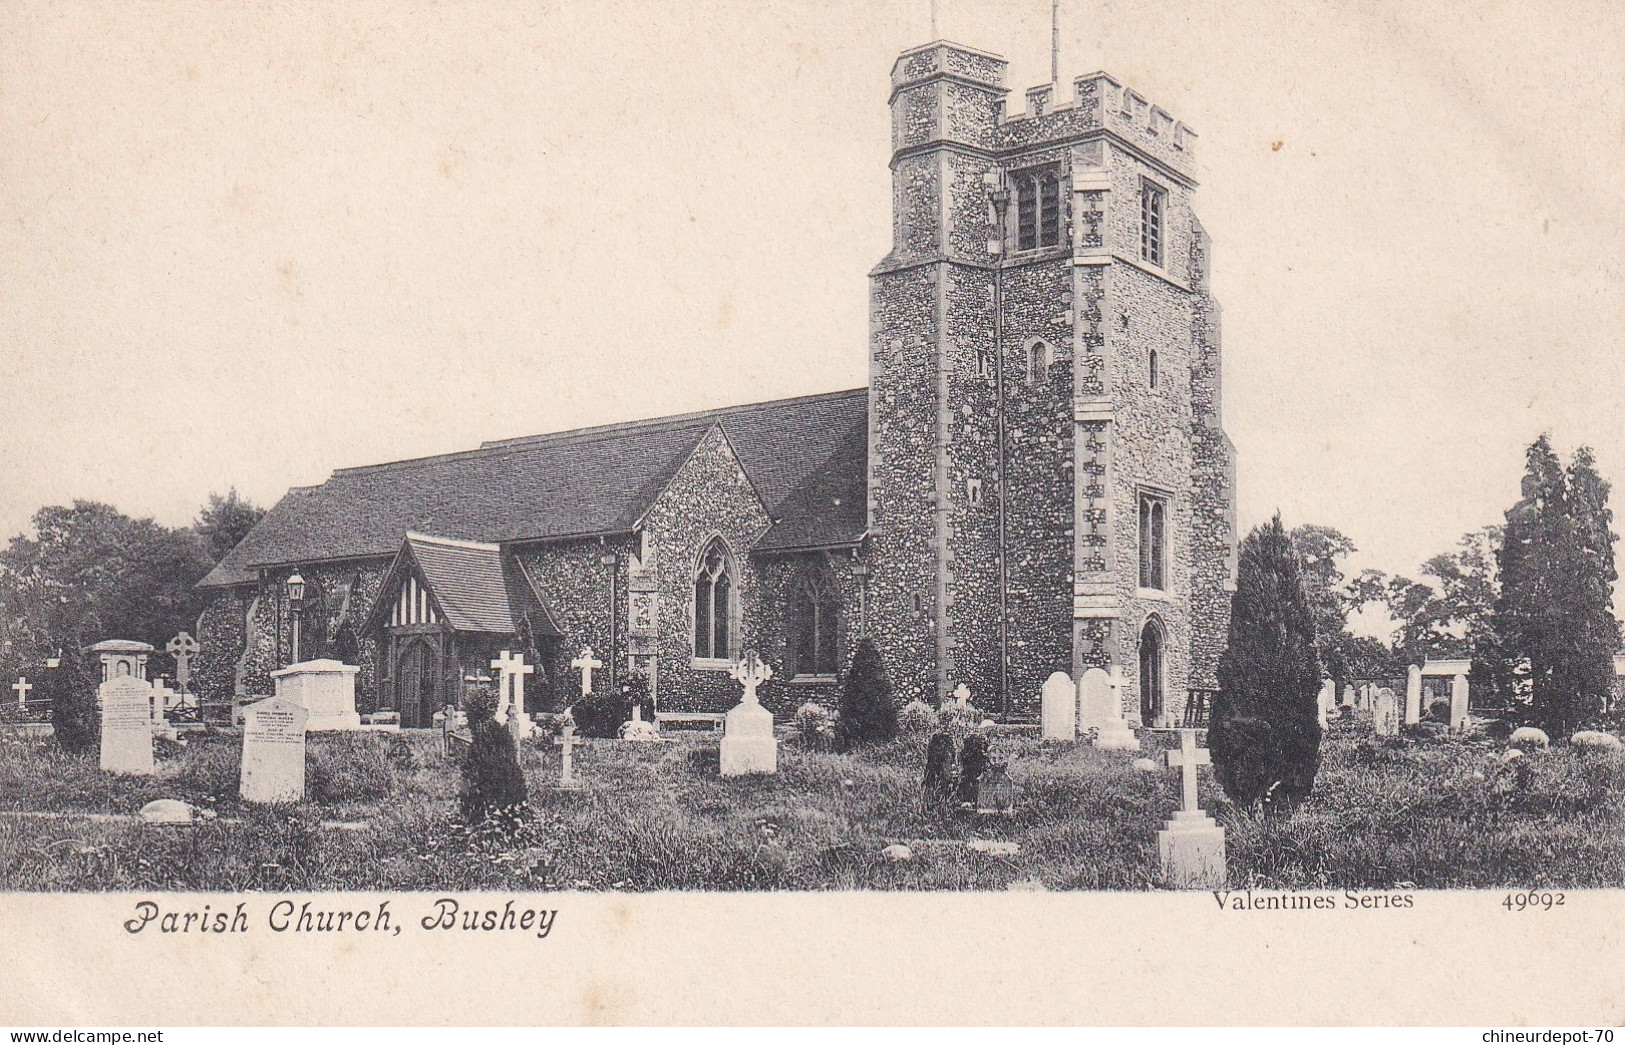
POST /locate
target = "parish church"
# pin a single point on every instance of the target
(1036, 479)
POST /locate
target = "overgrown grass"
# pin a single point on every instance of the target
(1427, 811)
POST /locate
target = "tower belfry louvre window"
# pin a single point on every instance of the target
(1038, 209)
(1153, 201)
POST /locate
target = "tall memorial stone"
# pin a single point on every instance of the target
(1385, 713)
(1413, 695)
(126, 725)
(1100, 695)
(1060, 707)
(1327, 703)
(325, 688)
(1458, 704)
(748, 745)
(273, 767)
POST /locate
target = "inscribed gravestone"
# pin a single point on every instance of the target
(274, 752)
(126, 725)
(1385, 713)
(1413, 695)
(1060, 698)
(1103, 711)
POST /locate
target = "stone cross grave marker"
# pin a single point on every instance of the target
(274, 752)
(748, 745)
(1385, 713)
(1059, 707)
(1191, 845)
(126, 726)
(567, 741)
(511, 693)
(962, 695)
(586, 663)
(22, 686)
(1413, 695)
(183, 648)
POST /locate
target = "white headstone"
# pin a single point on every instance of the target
(325, 688)
(1458, 704)
(1413, 695)
(126, 725)
(961, 695)
(274, 752)
(1191, 845)
(748, 745)
(1102, 703)
(1348, 695)
(512, 670)
(22, 686)
(586, 663)
(1385, 713)
(1326, 702)
(1059, 707)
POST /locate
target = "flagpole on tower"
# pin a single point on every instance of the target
(934, 20)
(1055, 42)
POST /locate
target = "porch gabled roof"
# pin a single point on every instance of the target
(470, 585)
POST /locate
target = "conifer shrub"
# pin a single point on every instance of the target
(1265, 731)
(601, 714)
(917, 718)
(868, 715)
(493, 783)
(71, 689)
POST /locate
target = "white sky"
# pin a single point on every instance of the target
(247, 244)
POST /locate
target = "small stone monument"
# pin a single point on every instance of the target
(748, 745)
(1458, 704)
(22, 686)
(126, 725)
(325, 688)
(1348, 695)
(1059, 707)
(567, 741)
(961, 696)
(586, 663)
(1385, 713)
(512, 669)
(122, 657)
(274, 752)
(1100, 695)
(1191, 846)
(1326, 701)
(183, 648)
(1413, 695)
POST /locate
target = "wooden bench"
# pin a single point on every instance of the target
(690, 718)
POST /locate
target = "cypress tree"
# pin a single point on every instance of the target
(1265, 732)
(1588, 675)
(72, 690)
(492, 780)
(868, 715)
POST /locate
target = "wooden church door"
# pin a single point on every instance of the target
(417, 674)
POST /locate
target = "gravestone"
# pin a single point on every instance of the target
(1458, 704)
(274, 752)
(183, 648)
(1326, 701)
(996, 794)
(1348, 695)
(1191, 845)
(748, 745)
(1059, 711)
(512, 669)
(325, 688)
(1100, 695)
(126, 725)
(22, 687)
(586, 663)
(974, 759)
(1385, 713)
(121, 658)
(567, 741)
(1413, 695)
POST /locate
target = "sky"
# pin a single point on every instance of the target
(246, 244)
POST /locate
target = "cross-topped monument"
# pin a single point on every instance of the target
(511, 692)
(567, 741)
(22, 686)
(1188, 758)
(183, 648)
(586, 663)
(962, 695)
(750, 671)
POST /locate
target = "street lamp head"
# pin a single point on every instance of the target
(296, 588)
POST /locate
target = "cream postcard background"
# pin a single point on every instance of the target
(293, 237)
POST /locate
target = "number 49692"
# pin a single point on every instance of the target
(1532, 901)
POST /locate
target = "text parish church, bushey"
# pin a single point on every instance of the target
(1037, 478)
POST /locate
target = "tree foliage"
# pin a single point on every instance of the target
(868, 715)
(225, 521)
(91, 573)
(1554, 614)
(492, 780)
(1265, 732)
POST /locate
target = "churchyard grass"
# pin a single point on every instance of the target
(379, 814)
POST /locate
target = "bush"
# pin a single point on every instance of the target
(917, 717)
(974, 759)
(816, 725)
(867, 713)
(961, 721)
(1439, 711)
(71, 689)
(1265, 732)
(602, 714)
(492, 779)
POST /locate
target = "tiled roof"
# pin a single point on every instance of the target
(466, 579)
(578, 483)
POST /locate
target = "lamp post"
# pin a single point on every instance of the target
(296, 599)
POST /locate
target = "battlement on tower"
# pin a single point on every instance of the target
(1100, 101)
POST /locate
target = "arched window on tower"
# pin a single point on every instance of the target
(1153, 541)
(1151, 364)
(1037, 363)
(714, 604)
(814, 620)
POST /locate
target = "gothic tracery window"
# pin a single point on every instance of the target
(814, 624)
(714, 604)
(1153, 541)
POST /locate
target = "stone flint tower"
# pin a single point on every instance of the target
(1051, 487)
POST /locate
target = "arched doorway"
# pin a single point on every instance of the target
(1152, 699)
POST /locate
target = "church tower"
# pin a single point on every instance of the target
(1051, 488)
